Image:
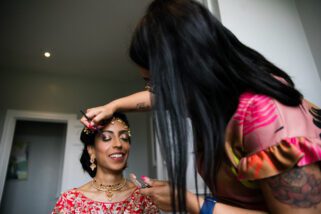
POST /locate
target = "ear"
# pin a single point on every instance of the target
(91, 151)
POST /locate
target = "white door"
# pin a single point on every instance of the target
(34, 168)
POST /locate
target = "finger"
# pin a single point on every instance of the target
(153, 182)
(133, 179)
(147, 191)
(94, 116)
(100, 116)
(90, 113)
(147, 180)
(84, 121)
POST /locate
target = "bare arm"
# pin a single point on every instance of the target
(295, 191)
(193, 206)
(160, 194)
(140, 101)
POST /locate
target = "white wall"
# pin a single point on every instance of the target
(310, 13)
(274, 28)
(69, 94)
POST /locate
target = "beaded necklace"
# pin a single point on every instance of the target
(108, 189)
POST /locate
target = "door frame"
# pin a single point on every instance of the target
(8, 133)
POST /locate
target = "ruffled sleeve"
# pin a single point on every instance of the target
(265, 138)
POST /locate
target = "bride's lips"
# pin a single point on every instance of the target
(117, 156)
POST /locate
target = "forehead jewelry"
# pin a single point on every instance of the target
(117, 119)
(88, 131)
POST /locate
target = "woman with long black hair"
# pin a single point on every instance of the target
(257, 142)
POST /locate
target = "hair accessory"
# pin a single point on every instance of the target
(208, 205)
(92, 165)
(117, 119)
(109, 189)
(88, 131)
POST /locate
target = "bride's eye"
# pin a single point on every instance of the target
(125, 137)
(105, 137)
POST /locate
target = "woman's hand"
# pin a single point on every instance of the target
(160, 193)
(98, 113)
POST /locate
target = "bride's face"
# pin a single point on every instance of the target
(112, 146)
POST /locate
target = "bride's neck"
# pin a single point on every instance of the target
(108, 178)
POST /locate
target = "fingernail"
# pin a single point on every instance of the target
(145, 178)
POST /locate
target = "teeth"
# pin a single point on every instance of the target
(116, 155)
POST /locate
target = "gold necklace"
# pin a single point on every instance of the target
(108, 189)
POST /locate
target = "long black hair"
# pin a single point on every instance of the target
(198, 69)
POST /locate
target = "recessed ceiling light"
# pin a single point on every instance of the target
(47, 54)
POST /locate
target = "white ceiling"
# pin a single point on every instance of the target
(85, 37)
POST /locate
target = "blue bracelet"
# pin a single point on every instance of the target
(208, 205)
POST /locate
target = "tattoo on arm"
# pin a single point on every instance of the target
(298, 188)
(141, 106)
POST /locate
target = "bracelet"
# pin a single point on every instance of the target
(208, 205)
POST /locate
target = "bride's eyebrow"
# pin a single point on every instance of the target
(108, 131)
(123, 131)
(120, 132)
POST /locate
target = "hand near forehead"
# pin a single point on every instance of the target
(140, 101)
(97, 114)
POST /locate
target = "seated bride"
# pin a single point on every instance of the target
(104, 157)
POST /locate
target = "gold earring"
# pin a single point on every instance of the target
(92, 165)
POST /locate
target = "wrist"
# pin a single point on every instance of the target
(112, 106)
(208, 205)
(193, 203)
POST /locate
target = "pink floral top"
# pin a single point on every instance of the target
(74, 202)
(264, 138)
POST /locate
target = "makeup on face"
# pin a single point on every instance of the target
(106, 135)
(117, 155)
(115, 140)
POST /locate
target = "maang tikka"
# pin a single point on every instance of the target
(121, 122)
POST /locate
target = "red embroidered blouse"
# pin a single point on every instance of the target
(73, 201)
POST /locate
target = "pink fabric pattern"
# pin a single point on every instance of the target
(260, 113)
(266, 138)
(312, 150)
